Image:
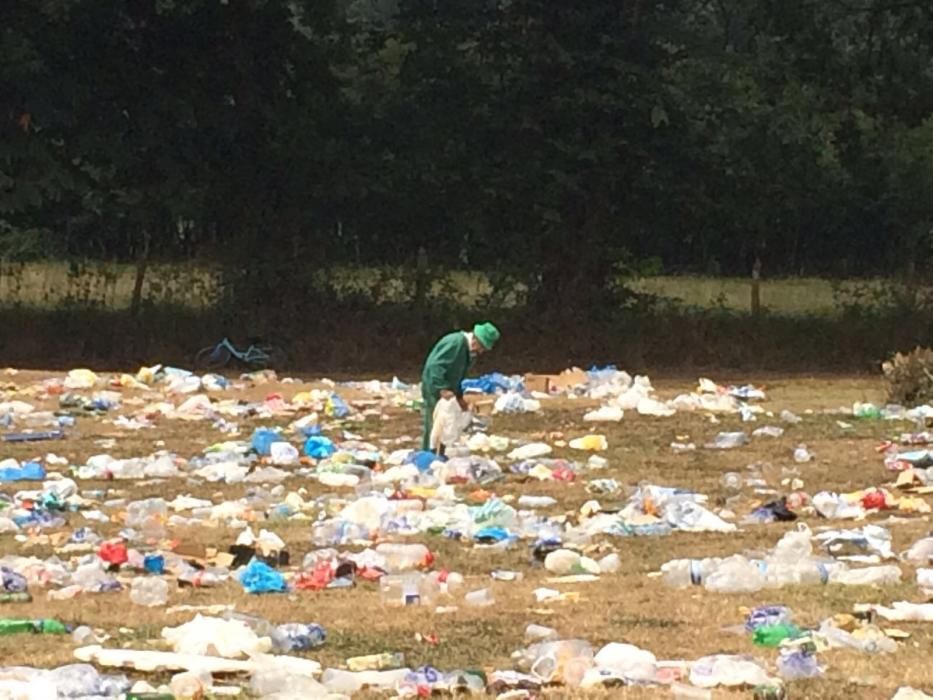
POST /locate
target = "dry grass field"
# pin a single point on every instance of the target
(630, 606)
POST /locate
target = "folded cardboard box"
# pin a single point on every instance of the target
(555, 383)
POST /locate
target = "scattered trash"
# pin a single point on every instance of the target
(728, 441)
(374, 514)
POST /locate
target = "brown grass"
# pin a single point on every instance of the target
(629, 606)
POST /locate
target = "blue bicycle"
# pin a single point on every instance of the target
(218, 356)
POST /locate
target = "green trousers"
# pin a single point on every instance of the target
(428, 402)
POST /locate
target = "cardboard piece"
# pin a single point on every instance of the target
(192, 550)
(480, 404)
(555, 383)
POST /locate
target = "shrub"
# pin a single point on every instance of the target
(910, 377)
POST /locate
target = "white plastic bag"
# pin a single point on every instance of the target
(449, 423)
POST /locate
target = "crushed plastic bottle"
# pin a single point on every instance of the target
(149, 591)
(728, 441)
(298, 637)
(798, 665)
(376, 662)
(349, 682)
(723, 669)
(770, 431)
(874, 642)
(563, 661)
(766, 616)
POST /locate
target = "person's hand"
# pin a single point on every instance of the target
(464, 406)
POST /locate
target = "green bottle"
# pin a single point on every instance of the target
(16, 626)
(33, 626)
(773, 635)
(51, 627)
(23, 597)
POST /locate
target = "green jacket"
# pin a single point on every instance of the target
(446, 366)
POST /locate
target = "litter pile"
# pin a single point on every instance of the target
(254, 460)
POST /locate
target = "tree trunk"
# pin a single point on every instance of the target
(142, 264)
(756, 288)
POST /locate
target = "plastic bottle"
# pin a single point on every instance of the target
(771, 431)
(260, 625)
(728, 441)
(349, 682)
(84, 635)
(376, 662)
(149, 591)
(401, 557)
(870, 576)
(767, 615)
(772, 635)
(875, 644)
(43, 626)
(866, 410)
(407, 589)
(206, 578)
(328, 533)
(21, 597)
(560, 661)
(769, 691)
(732, 481)
(725, 669)
(735, 575)
(298, 637)
(681, 573)
(83, 680)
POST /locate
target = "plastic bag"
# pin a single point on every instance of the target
(262, 578)
(319, 447)
(449, 423)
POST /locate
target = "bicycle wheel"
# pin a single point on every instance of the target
(270, 356)
(212, 357)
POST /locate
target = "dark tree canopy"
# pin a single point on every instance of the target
(556, 142)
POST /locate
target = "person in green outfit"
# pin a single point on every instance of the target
(446, 367)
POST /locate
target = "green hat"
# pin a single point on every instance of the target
(487, 334)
